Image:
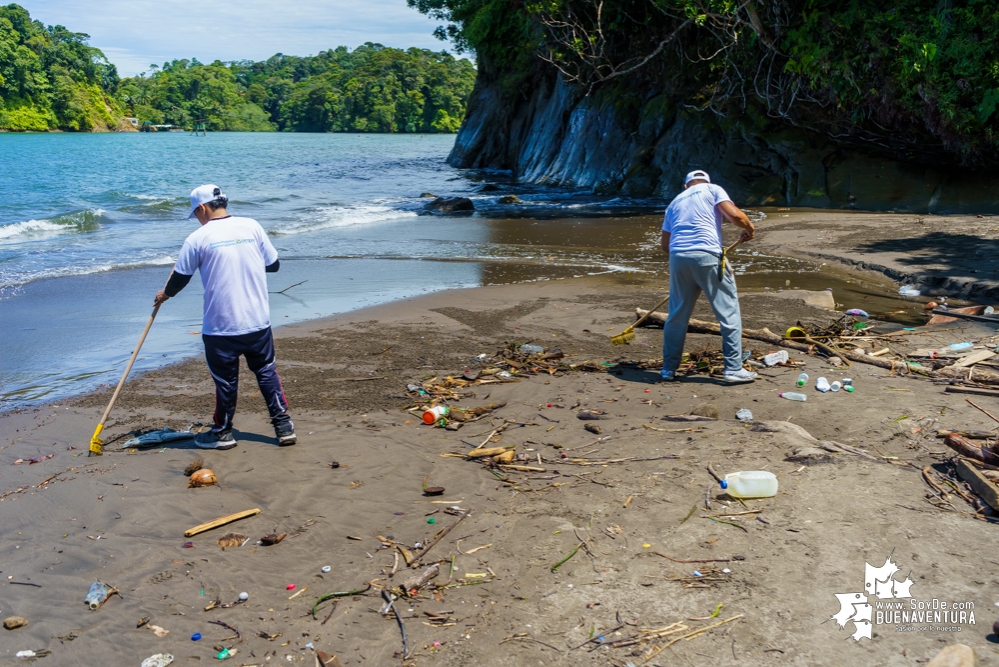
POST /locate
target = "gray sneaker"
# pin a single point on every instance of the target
(213, 439)
(285, 434)
(739, 376)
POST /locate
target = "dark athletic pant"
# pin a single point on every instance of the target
(222, 354)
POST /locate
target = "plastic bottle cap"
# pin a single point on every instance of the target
(326, 568)
(431, 520)
(244, 597)
(196, 636)
(724, 484)
(290, 587)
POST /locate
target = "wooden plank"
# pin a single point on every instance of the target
(940, 354)
(974, 358)
(978, 391)
(221, 521)
(980, 483)
(944, 316)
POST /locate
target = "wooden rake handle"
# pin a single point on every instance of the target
(646, 315)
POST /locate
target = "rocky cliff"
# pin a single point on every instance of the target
(551, 134)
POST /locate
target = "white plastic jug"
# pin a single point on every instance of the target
(750, 484)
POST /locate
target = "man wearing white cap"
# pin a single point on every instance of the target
(233, 255)
(692, 237)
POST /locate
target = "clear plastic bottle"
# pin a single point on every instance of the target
(750, 484)
(835, 386)
(822, 385)
(960, 346)
(793, 396)
(802, 379)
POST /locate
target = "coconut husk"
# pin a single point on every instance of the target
(230, 540)
(272, 538)
(193, 467)
(203, 477)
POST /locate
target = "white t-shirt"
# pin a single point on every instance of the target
(231, 254)
(693, 219)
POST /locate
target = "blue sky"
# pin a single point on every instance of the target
(135, 33)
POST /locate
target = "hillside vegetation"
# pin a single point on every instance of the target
(915, 77)
(52, 79)
(370, 89)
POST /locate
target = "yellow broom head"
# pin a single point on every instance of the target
(96, 445)
(623, 338)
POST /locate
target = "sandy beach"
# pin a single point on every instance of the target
(650, 562)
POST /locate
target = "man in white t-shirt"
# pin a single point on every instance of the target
(233, 255)
(692, 237)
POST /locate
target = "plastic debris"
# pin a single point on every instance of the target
(326, 568)
(436, 414)
(530, 349)
(226, 653)
(750, 484)
(744, 415)
(774, 358)
(159, 437)
(822, 385)
(960, 346)
(908, 290)
(196, 637)
(793, 396)
(158, 660)
(25, 654)
(243, 597)
(857, 312)
(98, 594)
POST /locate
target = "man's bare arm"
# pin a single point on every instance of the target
(735, 215)
(664, 242)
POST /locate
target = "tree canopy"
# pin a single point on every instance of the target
(370, 89)
(912, 76)
(51, 78)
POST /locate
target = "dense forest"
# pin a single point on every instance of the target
(907, 76)
(370, 89)
(51, 78)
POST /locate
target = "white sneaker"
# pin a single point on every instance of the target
(739, 376)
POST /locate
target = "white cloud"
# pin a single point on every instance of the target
(136, 33)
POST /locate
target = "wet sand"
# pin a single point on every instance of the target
(70, 520)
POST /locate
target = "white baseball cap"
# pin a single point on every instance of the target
(202, 195)
(697, 174)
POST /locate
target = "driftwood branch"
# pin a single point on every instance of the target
(440, 536)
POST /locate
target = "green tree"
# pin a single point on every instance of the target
(51, 78)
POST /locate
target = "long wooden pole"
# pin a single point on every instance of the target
(96, 446)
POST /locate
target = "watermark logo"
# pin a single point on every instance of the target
(894, 604)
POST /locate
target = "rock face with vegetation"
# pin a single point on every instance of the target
(51, 79)
(788, 102)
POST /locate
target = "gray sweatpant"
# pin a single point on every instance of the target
(691, 273)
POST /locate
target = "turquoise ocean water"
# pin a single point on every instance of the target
(90, 225)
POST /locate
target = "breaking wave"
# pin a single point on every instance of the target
(68, 223)
(330, 217)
